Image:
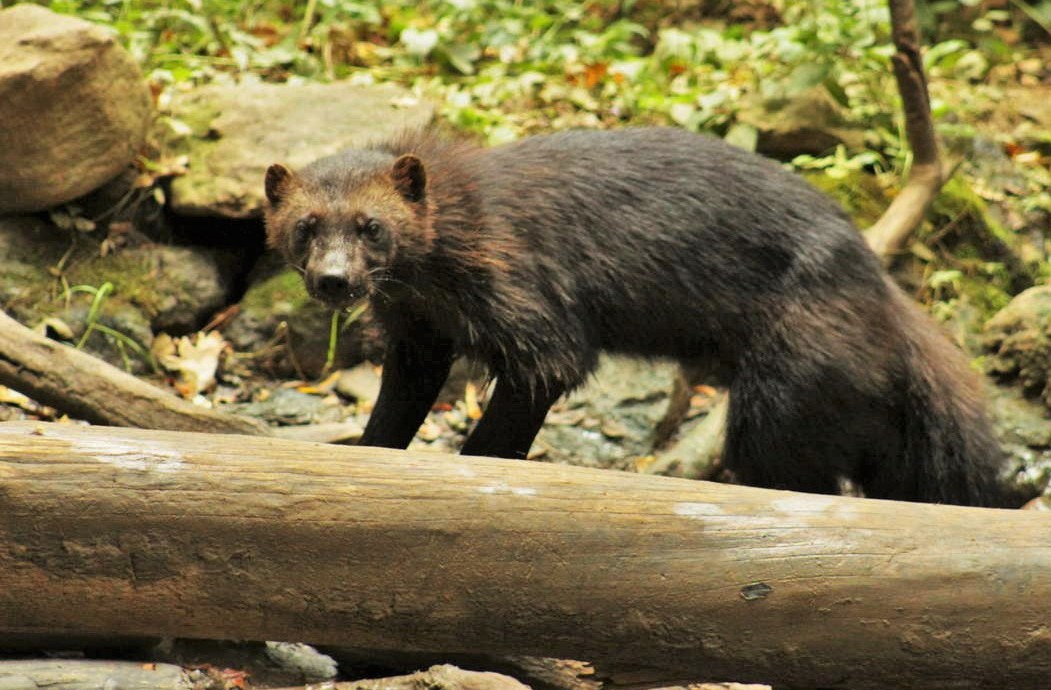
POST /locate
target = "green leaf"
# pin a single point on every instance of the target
(807, 75)
(462, 57)
(743, 136)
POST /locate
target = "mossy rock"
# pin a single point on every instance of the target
(1025, 435)
(236, 131)
(28, 248)
(805, 122)
(51, 277)
(1018, 343)
(288, 333)
(177, 288)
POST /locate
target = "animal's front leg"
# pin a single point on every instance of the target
(413, 374)
(511, 421)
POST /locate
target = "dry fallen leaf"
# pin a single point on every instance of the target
(643, 463)
(429, 431)
(323, 387)
(470, 399)
(194, 360)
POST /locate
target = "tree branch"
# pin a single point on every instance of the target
(90, 389)
(892, 231)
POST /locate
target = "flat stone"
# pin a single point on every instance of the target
(238, 131)
(361, 383)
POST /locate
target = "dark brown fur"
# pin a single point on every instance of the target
(534, 257)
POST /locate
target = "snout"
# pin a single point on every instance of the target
(335, 288)
(335, 271)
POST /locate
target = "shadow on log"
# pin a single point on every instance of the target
(135, 532)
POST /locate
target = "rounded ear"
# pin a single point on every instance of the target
(409, 178)
(278, 181)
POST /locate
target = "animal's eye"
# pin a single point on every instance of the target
(304, 228)
(372, 230)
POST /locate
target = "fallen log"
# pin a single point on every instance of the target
(122, 531)
(90, 389)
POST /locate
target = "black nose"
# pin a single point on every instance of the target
(332, 287)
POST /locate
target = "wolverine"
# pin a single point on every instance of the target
(534, 257)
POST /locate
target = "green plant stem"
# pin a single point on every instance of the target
(308, 19)
(93, 312)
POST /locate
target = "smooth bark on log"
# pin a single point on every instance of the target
(125, 531)
(88, 388)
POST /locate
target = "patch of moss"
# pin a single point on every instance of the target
(282, 293)
(859, 193)
(988, 295)
(198, 114)
(28, 247)
(22, 285)
(994, 259)
(134, 276)
(960, 204)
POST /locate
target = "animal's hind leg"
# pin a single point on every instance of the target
(778, 437)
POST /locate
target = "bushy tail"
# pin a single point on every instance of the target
(951, 452)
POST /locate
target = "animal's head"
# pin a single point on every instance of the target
(348, 221)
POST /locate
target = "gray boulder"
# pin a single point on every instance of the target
(238, 131)
(73, 105)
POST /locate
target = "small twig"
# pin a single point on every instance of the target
(286, 333)
(1033, 15)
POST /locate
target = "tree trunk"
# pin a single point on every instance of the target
(141, 532)
(88, 388)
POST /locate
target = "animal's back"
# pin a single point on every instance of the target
(667, 238)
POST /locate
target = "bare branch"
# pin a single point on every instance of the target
(892, 231)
